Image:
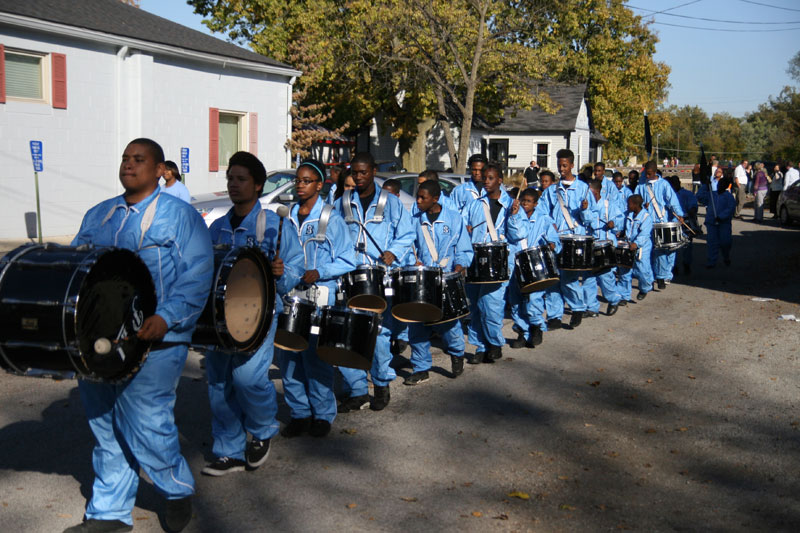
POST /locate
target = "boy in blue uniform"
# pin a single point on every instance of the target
(133, 422)
(526, 229)
(637, 230)
(688, 203)
(240, 393)
(603, 223)
(720, 208)
(328, 254)
(441, 240)
(466, 193)
(380, 214)
(624, 192)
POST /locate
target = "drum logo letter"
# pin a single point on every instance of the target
(137, 314)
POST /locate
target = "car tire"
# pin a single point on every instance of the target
(784, 216)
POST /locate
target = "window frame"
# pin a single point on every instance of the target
(537, 155)
(242, 141)
(45, 72)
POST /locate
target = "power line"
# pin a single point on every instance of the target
(673, 8)
(768, 5)
(707, 19)
(723, 29)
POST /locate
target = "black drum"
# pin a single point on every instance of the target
(625, 256)
(455, 303)
(576, 252)
(74, 310)
(238, 314)
(347, 336)
(537, 269)
(490, 263)
(295, 324)
(604, 256)
(364, 288)
(417, 294)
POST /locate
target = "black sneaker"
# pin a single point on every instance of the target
(535, 338)
(553, 324)
(456, 365)
(591, 314)
(296, 427)
(319, 428)
(477, 358)
(99, 526)
(256, 453)
(612, 308)
(416, 378)
(641, 296)
(177, 514)
(398, 347)
(493, 353)
(575, 320)
(224, 465)
(519, 342)
(623, 303)
(354, 403)
(380, 398)
(661, 284)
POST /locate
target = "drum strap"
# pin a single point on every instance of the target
(655, 202)
(426, 234)
(378, 215)
(147, 219)
(489, 222)
(261, 226)
(605, 203)
(322, 225)
(564, 210)
(348, 209)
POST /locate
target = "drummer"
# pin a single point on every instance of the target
(637, 230)
(554, 304)
(603, 223)
(609, 190)
(468, 192)
(486, 222)
(625, 192)
(688, 203)
(328, 253)
(240, 392)
(526, 228)
(444, 200)
(133, 424)
(373, 214)
(441, 240)
(661, 202)
(546, 179)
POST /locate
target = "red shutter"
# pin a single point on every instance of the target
(59, 66)
(213, 139)
(2, 74)
(254, 134)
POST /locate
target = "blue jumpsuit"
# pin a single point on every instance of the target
(719, 212)
(605, 210)
(444, 201)
(240, 393)
(638, 229)
(526, 232)
(688, 202)
(395, 233)
(572, 196)
(663, 260)
(463, 195)
(487, 306)
(307, 380)
(624, 194)
(452, 246)
(133, 422)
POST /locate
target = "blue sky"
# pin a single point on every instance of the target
(720, 67)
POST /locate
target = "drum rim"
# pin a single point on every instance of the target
(496, 244)
(418, 268)
(367, 266)
(325, 308)
(604, 242)
(575, 237)
(290, 300)
(451, 275)
(666, 225)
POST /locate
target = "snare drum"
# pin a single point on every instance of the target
(295, 324)
(417, 294)
(455, 303)
(490, 263)
(625, 256)
(604, 256)
(364, 288)
(667, 236)
(238, 314)
(536, 269)
(576, 252)
(347, 336)
(56, 301)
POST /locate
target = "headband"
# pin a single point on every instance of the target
(315, 167)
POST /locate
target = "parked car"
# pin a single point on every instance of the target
(789, 204)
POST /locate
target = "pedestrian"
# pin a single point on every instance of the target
(172, 182)
(637, 231)
(532, 173)
(791, 175)
(739, 186)
(721, 206)
(761, 183)
(336, 172)
(697, 179)
(633, 180)
(775, 189)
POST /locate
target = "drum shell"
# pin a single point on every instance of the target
(536, 269)
(489, 264)
(364, 288)
(576, 252)
(604, 256)
(455, 303)
(625, 256)
(667, 236)
(295, 324)
(347, 337)
(417, 294)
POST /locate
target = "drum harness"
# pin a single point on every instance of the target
(564, 211)
(315, 293)
(377, 217)
(432, 247)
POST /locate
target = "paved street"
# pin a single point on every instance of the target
(680, 412)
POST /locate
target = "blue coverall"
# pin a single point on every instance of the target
(638, 229)
(463, 195)
(604, 211)
(663, 260)
(688, 202)
(719, 213)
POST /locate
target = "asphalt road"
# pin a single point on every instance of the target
(679, 413)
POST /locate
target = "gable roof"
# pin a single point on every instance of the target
(116, 18)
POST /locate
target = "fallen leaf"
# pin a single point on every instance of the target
(649, 381)
(594, 383)
(141, 518)
(64, 515)
(520, 495)
(648, 465)
(563, 478)
(774, 379)
(683, 429)
(601, 507)
(349, 431)
(409, 499)
(587, 425)
(467, 484)
(565, 507)
(502, 516)
(477, 514)
(612, 454)
(674, 452)
(351, 505)
(5, 504)
(691, 376)
(684, 472)
(650, 430)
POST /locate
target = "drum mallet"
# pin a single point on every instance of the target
(283, 212)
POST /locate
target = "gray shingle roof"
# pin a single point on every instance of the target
(569, 97)
(115, 18)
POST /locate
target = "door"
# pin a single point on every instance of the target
(498, 152)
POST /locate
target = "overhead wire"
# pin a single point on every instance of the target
(768, 5)
(706, 19)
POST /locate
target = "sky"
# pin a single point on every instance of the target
(731, 62)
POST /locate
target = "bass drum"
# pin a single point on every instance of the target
(57, 302)
(238, 314)
(347, 337)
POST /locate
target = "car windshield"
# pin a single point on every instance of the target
(276, 181)
(292, 192)
(409, 184)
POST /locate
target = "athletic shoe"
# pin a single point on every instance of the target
(456, 365)
(319, 428)
(553, 324)
(354, 403)
(177, 514)
(535, 338)
(661, 284)
(612, 308)
(575, 321)
(641, 296)
(477, 358)
(668, 282)
(519, 342)
(591, 314)
(493, 353)
(398, 347)
(380, 398)
(256, 453)
(222, 466)
(296, 427)
(416, 378)
(99, 526)
(622, 303)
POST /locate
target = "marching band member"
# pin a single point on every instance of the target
(624, 192)
(720, 207)
(638, 229)
(133, 423)
(240, 392)
(546, 179)
(609, 191)
(603, 223)
(466, 193)
(328, 253)
(444, 200)
(688, 203)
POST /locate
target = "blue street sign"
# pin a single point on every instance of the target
(184, 160)
(36, 156)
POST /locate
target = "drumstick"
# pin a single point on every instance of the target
(283, 212)
(378, 246)
(690, 229)
(519, 191)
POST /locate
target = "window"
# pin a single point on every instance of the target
(542, 154)
(230, 136)
(230, 132)
(33, 77)
(24, 75)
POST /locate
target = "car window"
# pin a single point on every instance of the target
(292, 191)
(407, 184)
(276, 181)
(447, 186)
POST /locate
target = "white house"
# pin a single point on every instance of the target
(85, 77)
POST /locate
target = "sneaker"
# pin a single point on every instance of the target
(493, 353)
(612, 308)
(553, 324)
(591, 314)
(224, 465)
(575, 321)
(477, 358)
(456, 365)
(177, 514)
(296, 427)
(535, 338)
(641, 296)
(398, 347)
(622, 303)
(256, 453)
(519, 342)
(416, 378)
(380, 398)
(667, 282)
(319, 428)
(354, 403)
(661, 285)
(99, 526)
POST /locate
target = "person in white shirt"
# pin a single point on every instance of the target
(791, 175)
(740, 184)
(173, 185)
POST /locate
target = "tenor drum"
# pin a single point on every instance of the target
(576, 252)
(295, 324)
(347, 336)
(455, 303)
(537, 269)
(490, 263)
(667, 236)
(625, 256)
(239, 310)
(604, 256)
(364, 288)
(417, 294)
(56, 302)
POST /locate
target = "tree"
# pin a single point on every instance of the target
(794, 68)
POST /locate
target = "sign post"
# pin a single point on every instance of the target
(38, 166)
(184, 163)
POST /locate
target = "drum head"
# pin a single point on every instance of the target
(290, 341)
(343, 357)
(539, 285)
(416, 312)
(245, 300)
(367, 302)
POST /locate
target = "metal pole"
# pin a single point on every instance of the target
(38, 210)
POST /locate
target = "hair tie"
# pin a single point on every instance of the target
(315, 167)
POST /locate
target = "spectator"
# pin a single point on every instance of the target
(791, 175)
(173, 185)
(739, 187)
(532, 173)
(750, 175)
(761, 183)
(775, 189)
(696, 178)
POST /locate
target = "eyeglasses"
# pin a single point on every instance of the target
(304, 182)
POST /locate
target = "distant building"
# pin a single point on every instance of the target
(85, 77)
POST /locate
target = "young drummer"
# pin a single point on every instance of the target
(688, 203)
(720, 207)
(637, 230)
(444, 200)
(625, 192)
(240, 392)
(603, 223)
(526, 229)
(441, 240)
(468, 192)
(546, 179)
(328, 253)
